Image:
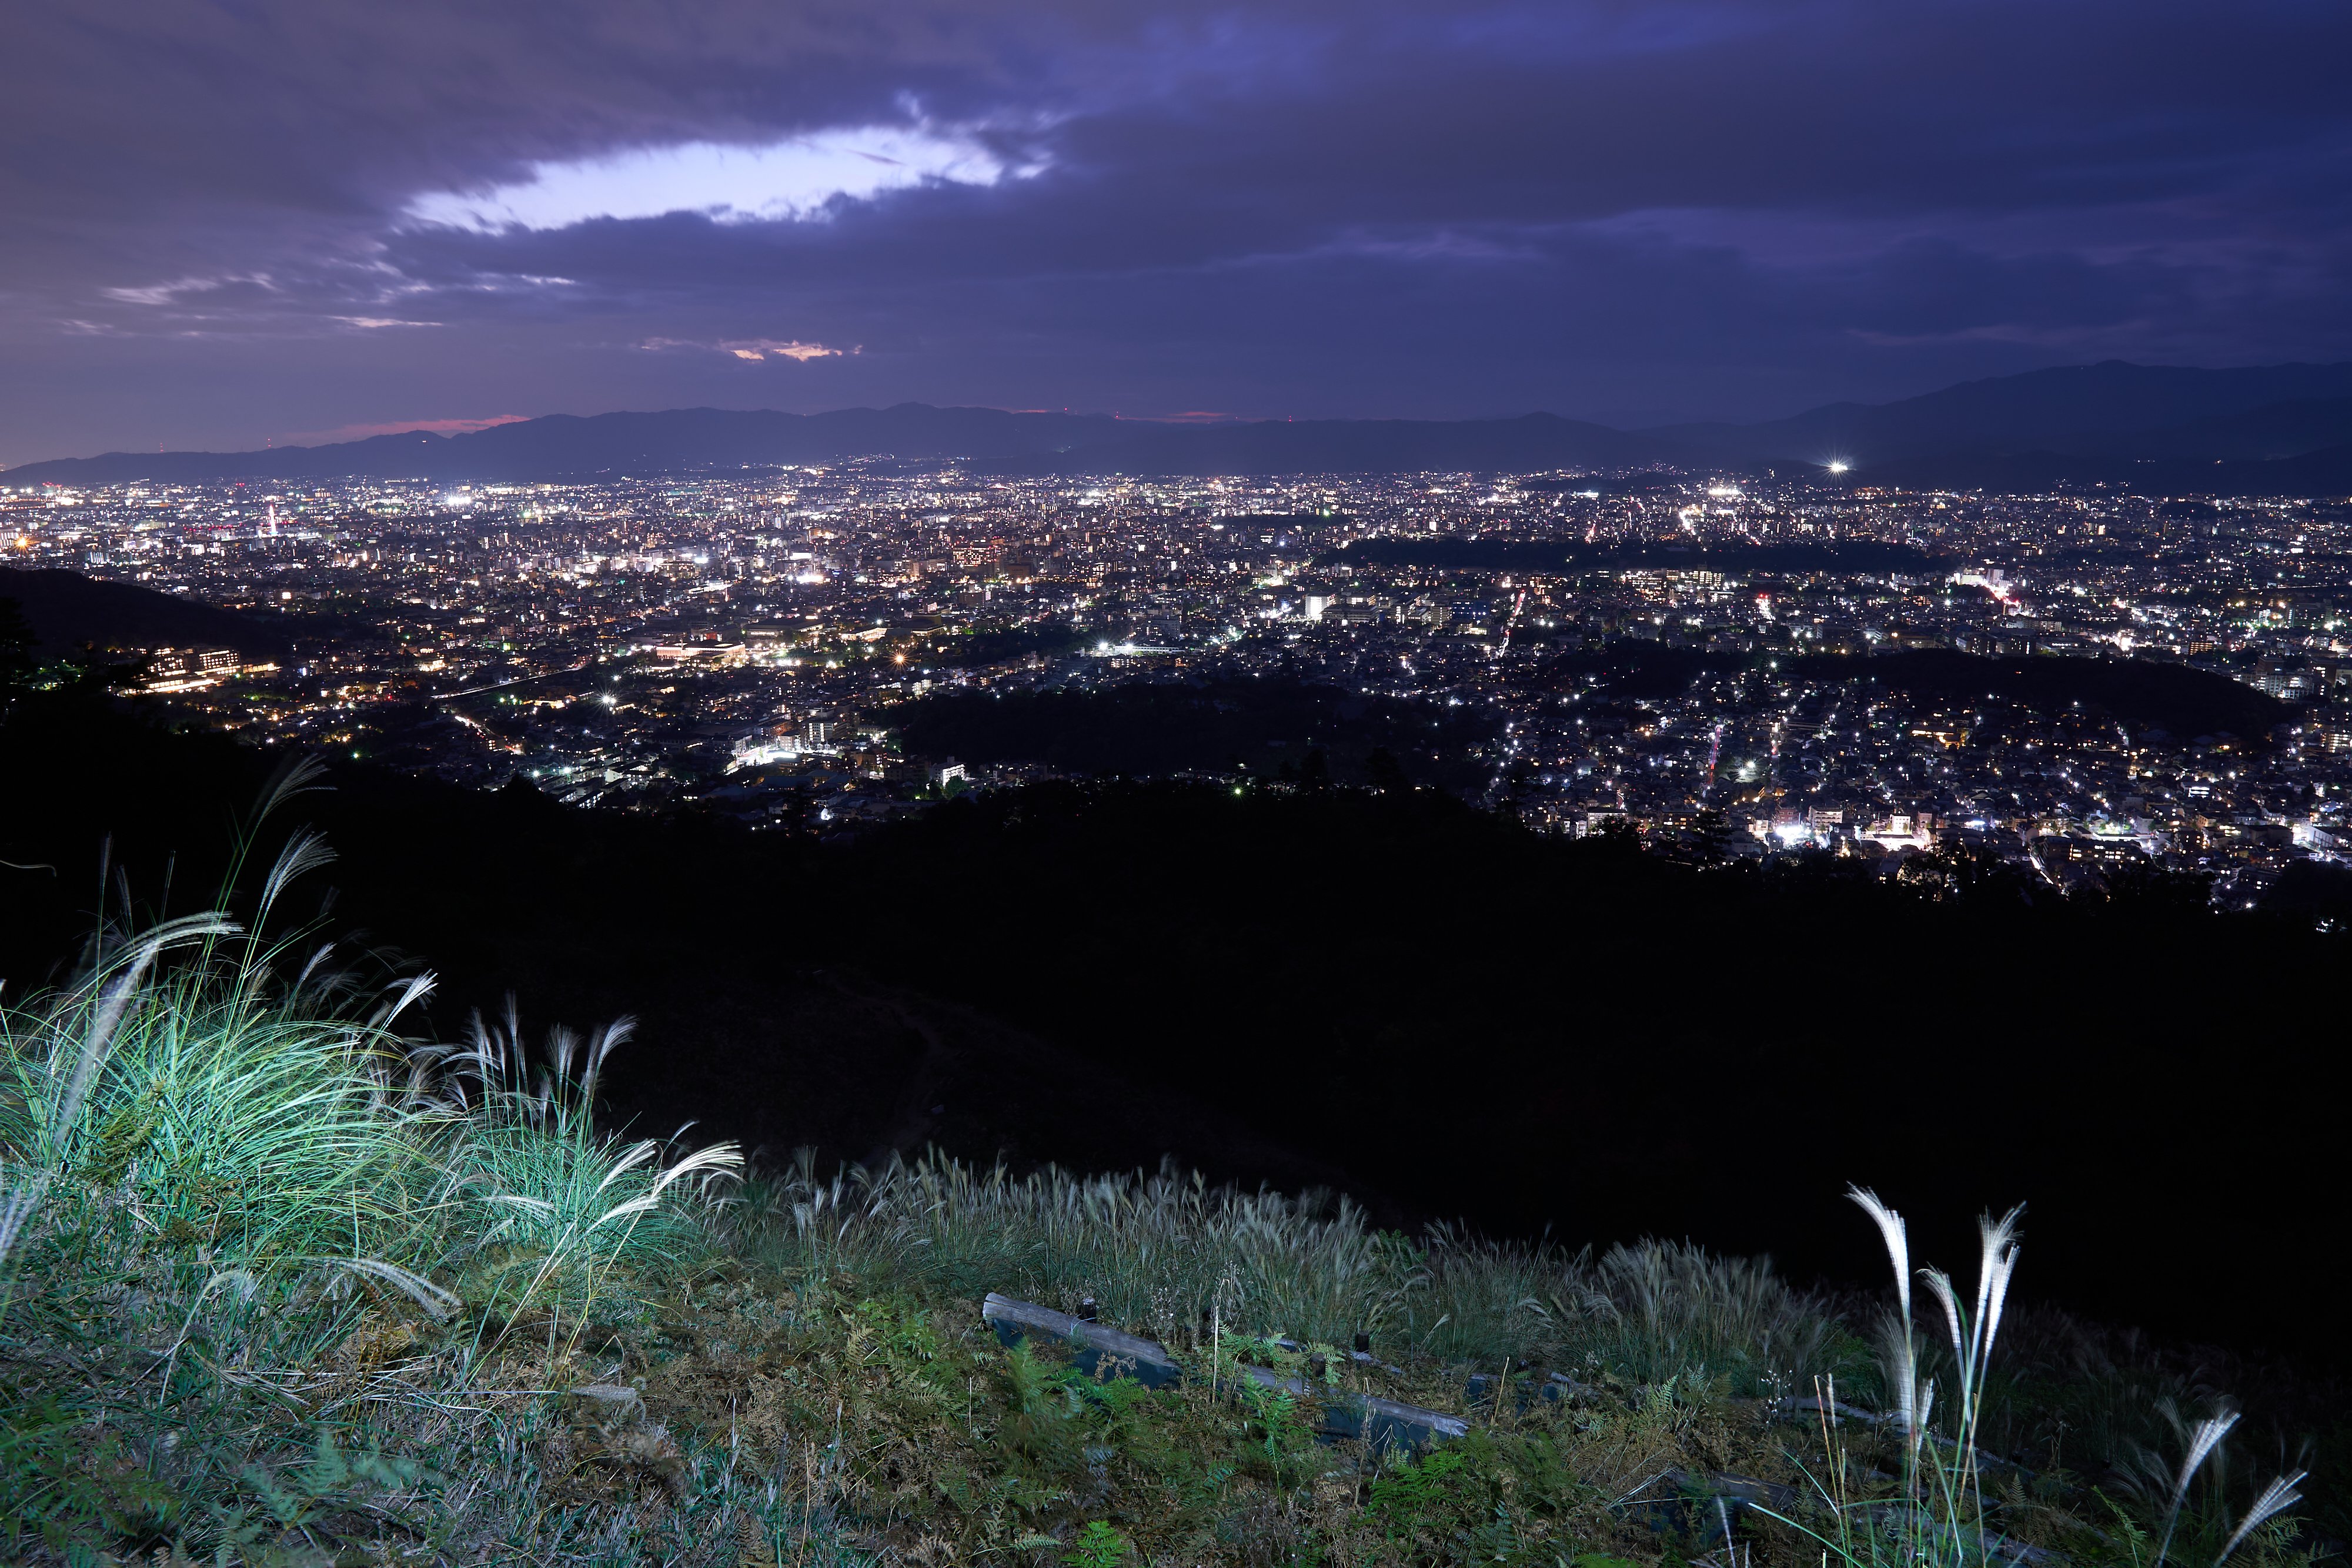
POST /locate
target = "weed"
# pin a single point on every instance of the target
(1097, 1546)
(1405, 1499)
(238, 1199)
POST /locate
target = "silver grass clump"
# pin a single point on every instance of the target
(1972, 1332)
(1951, 1525)
(1954, 1492)
(2201, 1443)
(2204, 1442)
(2276, 1498)
(1913, 1403)
(114, 991)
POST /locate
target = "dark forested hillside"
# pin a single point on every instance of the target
(68, 611)
(1261, 727)
(1386, 990)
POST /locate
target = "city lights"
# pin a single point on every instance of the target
(647, 643)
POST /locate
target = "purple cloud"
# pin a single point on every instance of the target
(233, 220)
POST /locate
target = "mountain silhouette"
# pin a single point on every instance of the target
(2261, 430)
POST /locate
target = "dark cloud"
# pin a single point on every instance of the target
(1326, 206)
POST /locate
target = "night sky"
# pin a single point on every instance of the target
(301, 219)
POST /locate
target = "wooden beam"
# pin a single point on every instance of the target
(1144, 1360)
(1344, 1412)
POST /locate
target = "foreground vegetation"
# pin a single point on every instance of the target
(281, 1284)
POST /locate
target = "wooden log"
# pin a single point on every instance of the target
(1364, 1417)
(1526, 1389)
(1144, 1360)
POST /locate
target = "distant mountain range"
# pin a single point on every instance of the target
(2267, 430)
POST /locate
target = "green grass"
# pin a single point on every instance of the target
(279, 1284)
(227, 1182)
(1161, 1252)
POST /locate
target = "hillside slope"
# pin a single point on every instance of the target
(1397, 994)
(68, 611)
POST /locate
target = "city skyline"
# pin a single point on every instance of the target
(828, 647)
